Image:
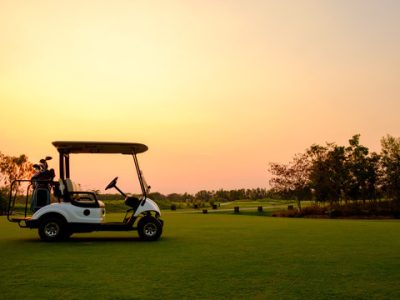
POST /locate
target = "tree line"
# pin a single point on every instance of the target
(333, 173)
(220, 195)
(327, 174)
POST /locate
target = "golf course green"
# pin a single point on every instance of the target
(208, 256)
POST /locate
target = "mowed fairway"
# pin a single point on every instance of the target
(213, 256)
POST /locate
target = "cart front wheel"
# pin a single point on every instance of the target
(149, 229)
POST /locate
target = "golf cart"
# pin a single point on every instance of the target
(81, 211)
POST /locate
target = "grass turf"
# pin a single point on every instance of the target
(212, 256)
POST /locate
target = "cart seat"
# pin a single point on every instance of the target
(71, 186)
(132, 202)
(80, 198)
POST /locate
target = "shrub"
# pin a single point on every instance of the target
(287, 213)
(313, 210)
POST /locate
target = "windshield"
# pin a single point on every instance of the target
(146, 186)
(142, 181)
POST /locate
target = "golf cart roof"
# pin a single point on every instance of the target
(99, 147)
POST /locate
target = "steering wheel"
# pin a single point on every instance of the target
(112, 183)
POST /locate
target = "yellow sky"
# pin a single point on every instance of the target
(216, 89)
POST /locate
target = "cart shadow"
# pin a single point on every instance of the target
(101, 239)
(89, 240)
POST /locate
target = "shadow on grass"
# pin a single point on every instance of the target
(77, 239)
(88, 240)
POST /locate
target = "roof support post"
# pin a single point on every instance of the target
(139, 172)
(61, 166)
(66, 165)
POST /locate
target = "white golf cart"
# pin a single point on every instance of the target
(81, 211)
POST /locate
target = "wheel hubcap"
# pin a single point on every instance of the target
(150, 229)
(52, 229)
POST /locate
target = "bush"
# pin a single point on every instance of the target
(353, 209)
(287, 214)
(313, 210)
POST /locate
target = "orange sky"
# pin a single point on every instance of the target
(216, 89)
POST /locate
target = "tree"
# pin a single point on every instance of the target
(11, 168)
(222, 195)
(292, 180)
(203, 195)
(14, 167)
(363, 171)
(156, 196)
(391, 167)
(372, 191)
(328, 172)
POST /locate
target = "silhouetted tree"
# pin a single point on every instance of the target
(391, 167)
(203, 195)
(11, 168)
(362, 182)
(292, 180)
(328, 173)
(15, 167)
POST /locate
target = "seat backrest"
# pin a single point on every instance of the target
(69, 185)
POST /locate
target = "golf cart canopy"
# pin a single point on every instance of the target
(67, 147)
(99, 147)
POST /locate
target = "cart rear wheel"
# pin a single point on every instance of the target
(52, 229)
(149, 228)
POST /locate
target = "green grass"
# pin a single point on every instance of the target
(208, 256)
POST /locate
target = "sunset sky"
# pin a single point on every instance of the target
(216, 89)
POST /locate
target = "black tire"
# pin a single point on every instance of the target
(52, 229)
(149, 228)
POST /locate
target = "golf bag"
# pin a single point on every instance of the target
(41, 182)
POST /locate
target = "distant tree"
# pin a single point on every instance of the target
(292, 180)
(362, 182)
(260, 193)
(157, 196)
(174, 197)
(255, 194)
(240, 194)
(12, 168)
(222, 195)
(15, 167)
(328, 172)
(372, 191)
(391, 167)
(187, 197)
(203, 195)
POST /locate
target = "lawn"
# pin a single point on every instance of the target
(209, 256)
